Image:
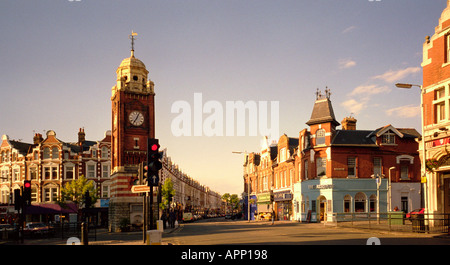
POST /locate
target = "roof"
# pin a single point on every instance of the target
(353, 137)
(322, 112)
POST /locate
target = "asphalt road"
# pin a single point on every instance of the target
(232, 232)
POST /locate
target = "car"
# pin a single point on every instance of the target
(6, 227)
(188, 217)
(228, 216)
(415, 213)
(36, 229)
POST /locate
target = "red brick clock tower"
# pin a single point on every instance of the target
(133, 121)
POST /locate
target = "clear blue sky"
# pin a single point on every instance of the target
(58, 63)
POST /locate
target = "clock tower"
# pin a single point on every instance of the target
(133, 122)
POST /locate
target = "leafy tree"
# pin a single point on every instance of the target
(167, 193)
(231, 200)
(75, 191)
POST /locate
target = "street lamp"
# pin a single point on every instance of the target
(390, 187)
(422, 163)
(248, 186)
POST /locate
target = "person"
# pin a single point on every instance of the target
(164, 219)
(396, 209)
(172, 219)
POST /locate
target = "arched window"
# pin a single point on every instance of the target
(320, 136)
(360, 202)
(55, 153)
(46, 153)
(347, 203)
(373, 203)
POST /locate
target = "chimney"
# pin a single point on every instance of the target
(81, 136)
(349, 124)
(37, 139)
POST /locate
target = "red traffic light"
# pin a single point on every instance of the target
(27, 184)
(155, 147)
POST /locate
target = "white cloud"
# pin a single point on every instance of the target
(349, 29)
(393, 76)
(354, 106)
(370, 90)
(346, 63)
(408, 111)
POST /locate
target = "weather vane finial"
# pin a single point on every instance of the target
(132, 38)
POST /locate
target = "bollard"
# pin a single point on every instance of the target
(84, 234)
(154, 237)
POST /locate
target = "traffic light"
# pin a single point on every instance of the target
(153, 163)
(87, 200)
(26, 195)
(17, 200)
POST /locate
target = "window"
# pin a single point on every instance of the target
(90, 170)
(282, 154)
(360, 202)
(377, 170)
(351, 167)
(447, 48)
(439, 105)
(439, 111)
(5, 196)
(320, 136)
(105, 171)
(347, 203)
(404, 174)
(69, 172)
(388, 138)
(33, 173)
(305, 169)
(50, 194)
(105, 191)
(50, 172)
(46, 153)
(16, 176)
(105, 152)
(373, 203)
(321, 164)
(55, 153)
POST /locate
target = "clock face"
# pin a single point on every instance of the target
(136, 118)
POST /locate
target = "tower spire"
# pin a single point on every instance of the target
(132, 38)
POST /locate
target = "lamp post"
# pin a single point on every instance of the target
(248, 187)
(422, 162)
(389, 191)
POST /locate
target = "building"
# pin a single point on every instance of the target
(436, 117)
(326, 170)
(50, 163)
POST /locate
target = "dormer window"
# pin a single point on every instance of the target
(388, 138)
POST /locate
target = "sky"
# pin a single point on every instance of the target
(59, 61)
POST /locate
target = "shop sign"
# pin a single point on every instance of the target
(438, 142)
(282, 196)
(320, 187)
(265, 197)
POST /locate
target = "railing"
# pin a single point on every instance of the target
(393, 221)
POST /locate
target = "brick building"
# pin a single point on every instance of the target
(50, 163)
(327, 170)
(436, 113)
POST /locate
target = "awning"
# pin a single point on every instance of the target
(50, 208)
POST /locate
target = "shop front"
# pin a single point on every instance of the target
(265, 206)
(283, 205)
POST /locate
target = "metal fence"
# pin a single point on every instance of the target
(394, 221)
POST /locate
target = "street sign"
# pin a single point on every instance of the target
(140, 188)
(154, 180)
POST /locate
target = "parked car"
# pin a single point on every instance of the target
(188, 217)
(415, 213)
(37, 229)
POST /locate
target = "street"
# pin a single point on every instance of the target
(241, 232)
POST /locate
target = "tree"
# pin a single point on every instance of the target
(167, 193)
(75, 191)
(231, 200)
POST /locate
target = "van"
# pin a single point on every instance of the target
(188, 217)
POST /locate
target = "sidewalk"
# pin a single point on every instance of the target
(103, 238)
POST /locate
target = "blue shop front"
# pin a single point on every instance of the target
(319, 200)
